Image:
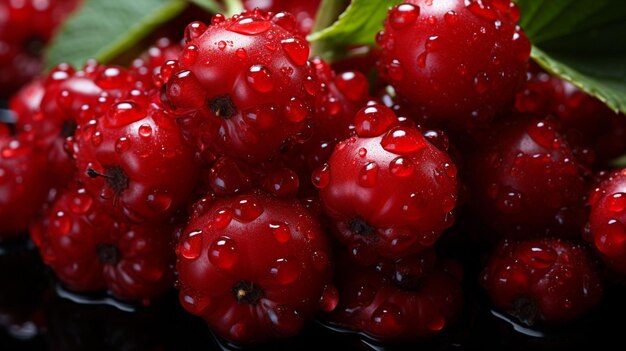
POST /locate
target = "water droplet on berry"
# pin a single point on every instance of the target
(296, 110)
(159, 202)
(395, 70)
(542, 133)
(145, 131)
(285, 271)
(223, 253)
(310, 85)
(221, 45)
(329, 299)
(537, 257)
(353, 85)
(401, 167)
(250, 26)
(373, 120)
(260, 79)
(124, 113)
(403, 15)
(81, 202)
(247, 209)
(296, 49)
(222, 218)
(96, 139)
(436, 323)
(450, 169)
(481, 83)
(122, 145)
(368, 175)
(191, 246)
(610, 238)
(451, 17)
(281, 232)
(617, 202)
(194, 303)
(61, 224)
(189, 55)
(194, 30)
(111, 78)
(403, 141)
(478, 8)
(321, 176)
(509, 201)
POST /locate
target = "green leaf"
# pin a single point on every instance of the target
(103, 29)
(582, 41)
(357, 25)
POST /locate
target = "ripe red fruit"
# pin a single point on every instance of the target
(147, 68)
(407, 299)
(594, 131)
(460, 62)
(543, 281)
(239, 85)
(387, 190)
(303, 11)
(524, 180)
(25, 27)
(606, 230)
(22, 189)
(135, 159)
(254, 267)
(90, 251)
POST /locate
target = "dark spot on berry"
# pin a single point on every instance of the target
(223, 106)
(34, 46)
(108, 254)
(525, 309)
(359, 227)
(115, 177)
(247, 292)
(68, 129)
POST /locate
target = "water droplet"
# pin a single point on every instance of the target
(194, 30)
(191, 246)
(402, 167)
(296, 49)
(436, 323)
(368, 175)
(122, 145)
(281, 232)
(81, 202)
(61, 224)
(451, 18)
(124, 113)
(285, 271)
(617, 202)
(145, 131)
(260, 79)
(387, 319)
(395, 70)
(221, 45)
(248, 209)
(222, 218)
(296, 110)
(478, 8)
(542, 133)
(448, 203)
(112, 78)
(403, 15)
(509, 201)
(450, 169)
(610, 239)
(403, 141)
(329, 299)
(250, 26)
(310, 85)
(373, 120)
(353, 85)
(196, 304)
(321, 176)
(223, 253)
(96, 139)
(159, 202)
(481, 83)
(537, 257)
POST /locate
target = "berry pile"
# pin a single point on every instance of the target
(271, 190)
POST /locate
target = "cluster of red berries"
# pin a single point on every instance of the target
(271, 189)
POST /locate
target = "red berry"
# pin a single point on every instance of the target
(25, 27)
(302, 13)
(459, 61)
(387, 190)
(407, 299)
(135, 159)
(23, 190)
(90, 251)
(254, 267)
(147, 68)
(524, 180)
(606, 229)
(239, 85)
(543, 281)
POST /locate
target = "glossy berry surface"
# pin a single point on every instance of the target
(458, 62)
(90, 251)
(543, 281)
(387, 190)
(407, 299)
(239, 87)
(135, 159)
(22, 190)
(25, 27)
(524, 180)
(606, 230)
(303, 11)
(255, 268)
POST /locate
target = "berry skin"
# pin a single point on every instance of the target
(22, 190)
(303, 11)
(388, 191)
(543, 281)
(459, 62)
(135, 159)
(606, 230)
(239, 85)
(147, 68)
(524, 180)
(25, 27)
(407, 299)
(254, 267)
(90, 251)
